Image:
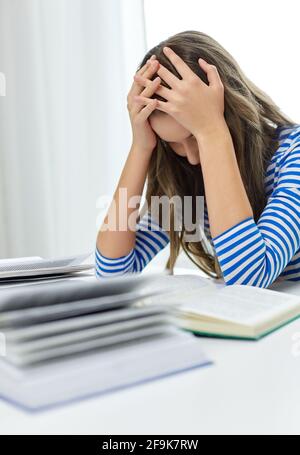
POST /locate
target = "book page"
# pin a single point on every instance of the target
(37, 263)
(172, 285)
(17, 261)
(239, 304)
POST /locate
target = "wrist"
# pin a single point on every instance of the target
(141, 152)
(218, 130)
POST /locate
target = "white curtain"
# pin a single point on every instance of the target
(64, 127)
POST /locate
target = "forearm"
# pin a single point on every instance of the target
(115, 238)
(226, 197)
(249, 252)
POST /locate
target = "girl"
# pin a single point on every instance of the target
(201, 127)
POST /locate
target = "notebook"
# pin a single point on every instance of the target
(205, 307)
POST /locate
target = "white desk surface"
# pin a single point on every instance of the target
(253, 387)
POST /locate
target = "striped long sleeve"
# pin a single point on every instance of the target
(256, 254)
(150, 240)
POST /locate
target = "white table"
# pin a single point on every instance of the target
(253, 387)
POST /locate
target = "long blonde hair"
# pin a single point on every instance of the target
(252, 118)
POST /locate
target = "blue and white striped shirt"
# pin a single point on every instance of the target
(250, 253)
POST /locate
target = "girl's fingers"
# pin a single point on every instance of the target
(146, 66)
(149, 71)
(139, 102)
(164, 107)
(160, 105)
(164, 92)
(151, 87)
(135, 88)
(147, 110)
(146, 94)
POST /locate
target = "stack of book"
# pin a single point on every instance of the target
(66, 339)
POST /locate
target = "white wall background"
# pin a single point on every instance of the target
(64, 127)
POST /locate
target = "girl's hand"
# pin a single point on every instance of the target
(194, 104)
(143, 135)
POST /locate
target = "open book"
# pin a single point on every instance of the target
(206, 308)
